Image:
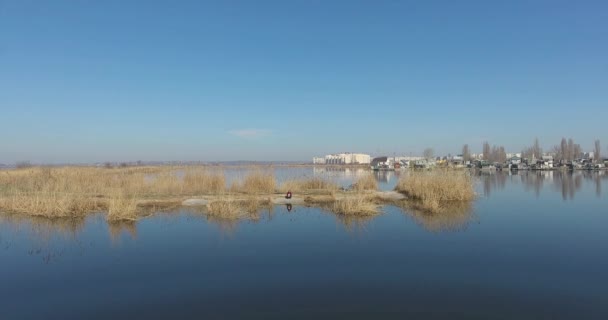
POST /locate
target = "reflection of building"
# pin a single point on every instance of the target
(343, 158)
(337, 171)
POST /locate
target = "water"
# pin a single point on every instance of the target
(533, 246)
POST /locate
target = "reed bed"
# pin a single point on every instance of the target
(225, 209)
(365, 183)
(318, 185)
(75, 191)
(434, 190)
(358, 205)
(256, 182)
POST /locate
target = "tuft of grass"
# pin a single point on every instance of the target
(256, 182)
(432, 190)
(225, 209)
(203, 181)
(367, 182)
(121, 207)
(359, 205)
(309, 185)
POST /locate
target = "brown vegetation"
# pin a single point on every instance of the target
(256, 182)
(75, 191)
(367, 182)
(357, 205)
(310, 185)
(432, 190)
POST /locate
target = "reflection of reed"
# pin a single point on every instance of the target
(354, 224)
(453, 217)
(117, 228)
(43, 227)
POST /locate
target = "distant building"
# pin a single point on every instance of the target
(343, 158)
(318, 160)
(589, 155)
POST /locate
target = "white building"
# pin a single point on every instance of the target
(343, 158)
(318, 160)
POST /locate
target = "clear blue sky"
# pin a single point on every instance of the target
(85, 81)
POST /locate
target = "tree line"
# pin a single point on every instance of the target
(567, 150)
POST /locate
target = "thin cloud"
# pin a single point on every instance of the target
(250, 133)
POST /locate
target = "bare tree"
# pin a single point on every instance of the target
(571, 152)
(597, 151)
(577, 151)
(428, 153)
(564, 150)
(466, 153)
(557, 150)
(486, 151)
(537, 149)
(502, 154)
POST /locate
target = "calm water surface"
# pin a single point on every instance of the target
(533, 246)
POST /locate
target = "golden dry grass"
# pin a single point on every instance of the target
(225, 209)
(75, 191)
(256, 182)
(358, 205)
(317, 185)
(432, 190)
(367, 182)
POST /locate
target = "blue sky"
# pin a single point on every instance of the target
(86, 81)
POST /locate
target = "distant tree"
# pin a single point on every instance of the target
(466, 153)
(577, 151)
(140, 163)
(571, 152)
(108, 165)
(597, 152)
(123, 164)
(502, 154)
(486, 151)
(23, 164)
(538, 152)
(428, 153)
(557, 150)
(564, 150)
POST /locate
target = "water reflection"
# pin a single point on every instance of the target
(456, 216)
(386, 176)
(568, 183)
(41, 227)
(354, 224)
(491, 181)
(118, 228)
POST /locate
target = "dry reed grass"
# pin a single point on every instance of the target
(225, 209)
(317, 185)
(256, 182)
(359, 205)
(434, 190)
(122, 207)
(75, 191)
(367, 182)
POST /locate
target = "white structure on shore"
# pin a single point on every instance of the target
(343, 158)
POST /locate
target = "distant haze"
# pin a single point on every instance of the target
(85, 81)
